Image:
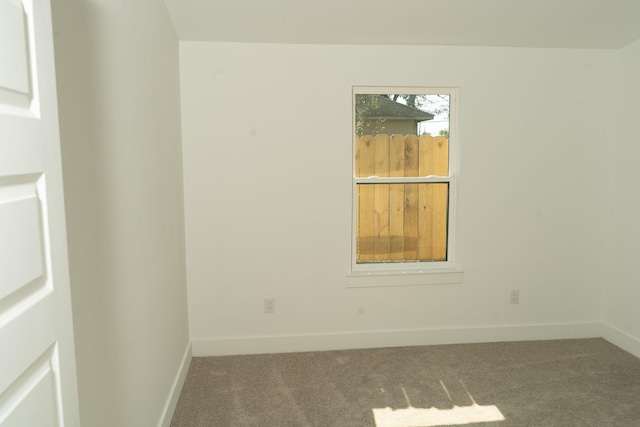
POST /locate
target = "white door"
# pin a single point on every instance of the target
(37, 363)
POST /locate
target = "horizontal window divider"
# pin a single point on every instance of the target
(403, 180)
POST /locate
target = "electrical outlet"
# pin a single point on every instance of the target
(269, 305)
(514, 296)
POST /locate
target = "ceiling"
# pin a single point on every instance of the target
(602, 24)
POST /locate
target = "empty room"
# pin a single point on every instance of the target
(281, 213)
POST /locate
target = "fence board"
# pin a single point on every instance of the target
(425, 199)
(411, 199)
(401, 222)
(439, 231)
(396, 199)
(381, 200)
(441, 156)
(366, 167)
(440, 199)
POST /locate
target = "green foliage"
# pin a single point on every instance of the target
(365, 103)
(434, 104)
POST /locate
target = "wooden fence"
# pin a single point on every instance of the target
(401, 222)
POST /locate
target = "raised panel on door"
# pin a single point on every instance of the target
(14, 51)
(37, 364)
(33, 399)
(22, 246)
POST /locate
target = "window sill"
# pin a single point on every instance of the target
(404, 278)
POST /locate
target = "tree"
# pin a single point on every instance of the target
(434, 104)
(364, 105)
(367, 104)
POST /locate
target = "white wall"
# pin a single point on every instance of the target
(622, 289)
(268, 204)
(118, 83)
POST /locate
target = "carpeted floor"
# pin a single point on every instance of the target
(587, 382)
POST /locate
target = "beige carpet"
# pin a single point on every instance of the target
(564, 383)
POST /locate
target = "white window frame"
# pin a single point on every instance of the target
(409, 273)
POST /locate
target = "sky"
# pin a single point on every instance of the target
(440, 121)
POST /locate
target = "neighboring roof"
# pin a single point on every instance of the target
(385, 108)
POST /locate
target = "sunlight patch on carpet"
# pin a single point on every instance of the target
(434, 417)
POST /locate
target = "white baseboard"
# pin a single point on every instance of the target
(621, 339)
(176, 388)
(342, 341)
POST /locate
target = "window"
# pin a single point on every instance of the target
(403, 180)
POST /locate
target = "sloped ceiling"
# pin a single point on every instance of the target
(602, 24)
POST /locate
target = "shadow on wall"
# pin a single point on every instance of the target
(80, 71)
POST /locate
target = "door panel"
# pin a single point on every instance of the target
(37, 375)
(22, 247)
(35, 388)
(14, 48)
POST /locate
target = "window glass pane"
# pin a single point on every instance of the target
(401, 135)
(401, 222)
